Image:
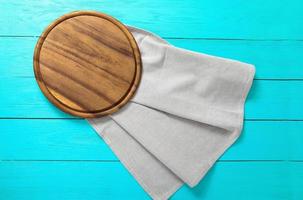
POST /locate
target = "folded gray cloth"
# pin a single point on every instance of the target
(157, 180)
(187, 111)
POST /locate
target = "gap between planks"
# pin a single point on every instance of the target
(73, 118)
(115, 161)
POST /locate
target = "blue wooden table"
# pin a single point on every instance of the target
(46, 154)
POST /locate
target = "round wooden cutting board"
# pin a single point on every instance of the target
(87, 63)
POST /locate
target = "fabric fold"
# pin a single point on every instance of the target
(200, 87)
(188, 148)
(155, 178)
(187, 111)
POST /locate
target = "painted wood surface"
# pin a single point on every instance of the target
(95, 180)
(192, 18)
(67, 139)
(46, 154)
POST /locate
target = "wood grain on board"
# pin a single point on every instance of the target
(87, 64)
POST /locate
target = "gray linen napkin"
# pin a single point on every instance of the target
(187, 111)
(156, 179)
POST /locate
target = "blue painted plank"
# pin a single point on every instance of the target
(97, 180)
(21, 97)
(273, 59)
(51, 140)
(76, 140)
(275, 100)
(204, 19)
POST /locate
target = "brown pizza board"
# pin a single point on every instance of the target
(87, 64)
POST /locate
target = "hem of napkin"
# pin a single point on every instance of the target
(204, 168)
(130, 169)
